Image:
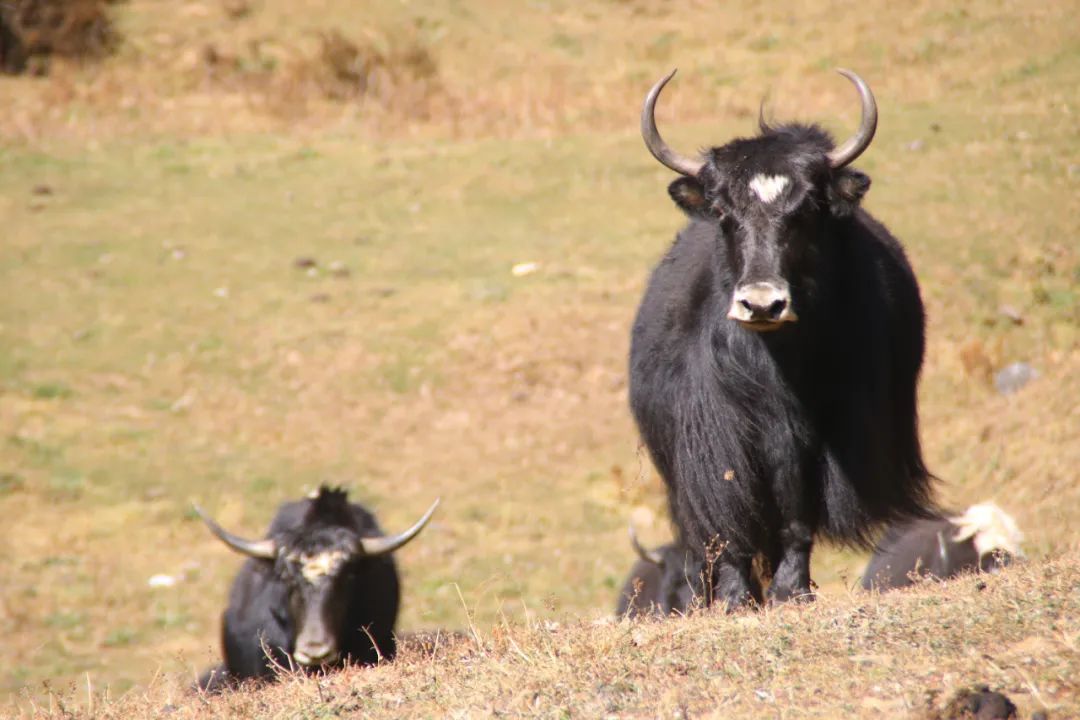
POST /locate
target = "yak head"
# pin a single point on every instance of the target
(769, 198)
(683, 585)
(317, 561)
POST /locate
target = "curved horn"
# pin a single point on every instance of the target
(659, 149)
(854, 146)
(381, 545)
(653, 556)
(263, 549)
(943, 551)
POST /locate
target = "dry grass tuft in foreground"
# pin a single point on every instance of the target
(905, 654)
(33, 31)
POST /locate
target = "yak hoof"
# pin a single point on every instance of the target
(737, 600)
(780, 596)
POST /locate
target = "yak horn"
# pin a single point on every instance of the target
(653, 556)
(660, 150)
(262, 549)
(857, 143)
(385, 544)
(943, 552)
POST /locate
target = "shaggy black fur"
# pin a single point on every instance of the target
(767, 440)
(270, 599)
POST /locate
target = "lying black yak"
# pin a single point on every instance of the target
(983, 539)
(320, 590)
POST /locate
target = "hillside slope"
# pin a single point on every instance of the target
(166, 339)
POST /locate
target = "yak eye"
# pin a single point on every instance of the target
(279, 613)
(717, 209)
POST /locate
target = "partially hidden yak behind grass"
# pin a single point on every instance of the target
(320, 590)
(663, 580)
(984, 538)
(775, 356)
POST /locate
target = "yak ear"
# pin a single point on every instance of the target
(689, 195)
(846, 190)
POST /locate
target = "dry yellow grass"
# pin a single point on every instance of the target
(852, 656)
(196, 67)
(159, 346)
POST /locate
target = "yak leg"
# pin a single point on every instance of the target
(791, 575)
(732, 582)
(794, 531)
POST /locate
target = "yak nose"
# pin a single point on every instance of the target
(315, 652)
(762, 302)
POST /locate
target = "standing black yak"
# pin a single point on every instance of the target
(321, 589)
(775, 355)
(984, 539)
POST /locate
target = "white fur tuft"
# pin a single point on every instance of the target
(320, 565)
(768, 187)
(990, 528)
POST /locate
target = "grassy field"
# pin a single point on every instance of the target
(160, 343)
(904, 655)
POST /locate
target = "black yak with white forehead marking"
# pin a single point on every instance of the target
(775, 355)
(322, 589)
(983, 539)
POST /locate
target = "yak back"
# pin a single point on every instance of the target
(923, 548)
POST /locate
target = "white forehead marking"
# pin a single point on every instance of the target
(314, 567)
(768, 187)
(990, 528)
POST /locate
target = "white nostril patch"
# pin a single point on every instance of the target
(763, 301)
(314, 654)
